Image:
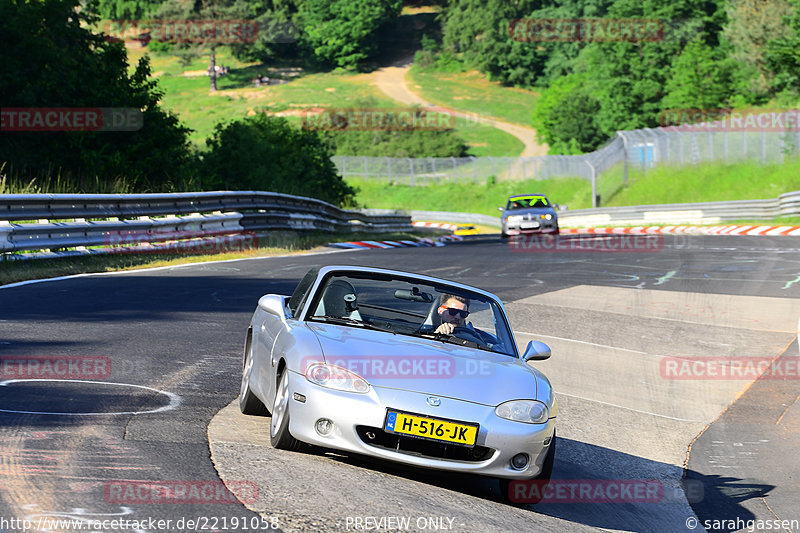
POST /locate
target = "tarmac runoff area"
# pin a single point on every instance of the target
(637, 377)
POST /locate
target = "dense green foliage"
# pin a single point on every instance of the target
(266, 153)
(125, 9)
(55, 61)
(343, 32)
(708, 55)
(399, 143)
(51, 61)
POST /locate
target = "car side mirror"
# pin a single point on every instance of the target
(536, 351)
(275, 305)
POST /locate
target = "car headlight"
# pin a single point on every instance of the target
(527, 411)
(336, 377)
(546, 216)
(513, 218)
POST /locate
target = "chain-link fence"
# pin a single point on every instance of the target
(606, 168)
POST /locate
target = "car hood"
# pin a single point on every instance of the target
(426, 366)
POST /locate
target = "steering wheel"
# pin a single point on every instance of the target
(462, 332)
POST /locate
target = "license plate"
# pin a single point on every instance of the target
(528, 225)
(424, 427)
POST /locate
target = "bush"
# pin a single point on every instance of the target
(266, 153)
(399, 143)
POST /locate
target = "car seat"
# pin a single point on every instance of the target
(333, 301)
(433, 320)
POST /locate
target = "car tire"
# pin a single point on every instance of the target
(503, 236)
(279, 435)
(249, 404)
(557, 230)
(544, 476)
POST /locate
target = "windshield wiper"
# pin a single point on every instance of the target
(350, 322)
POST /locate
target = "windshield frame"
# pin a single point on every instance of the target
(443, 286)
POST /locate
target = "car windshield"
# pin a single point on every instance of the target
(405, 306)
(527, 202)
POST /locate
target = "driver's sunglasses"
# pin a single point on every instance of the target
(463, 313)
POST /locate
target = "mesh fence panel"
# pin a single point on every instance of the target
(607, 167)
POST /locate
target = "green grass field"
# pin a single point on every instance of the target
(708, 182)
(186, 93)
(467, 196)
(471, 92)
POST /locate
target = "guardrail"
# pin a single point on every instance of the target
(445, 216)
(48, 221)
(787, 204)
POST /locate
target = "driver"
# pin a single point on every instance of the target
(453, 310)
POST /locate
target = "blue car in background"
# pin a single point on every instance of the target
(528, 213)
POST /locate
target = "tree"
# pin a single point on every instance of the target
(268, 154)
(782, 55)
(219, 11)
(50, 59)
(343, 32)
(125, 9)
(752, 26)
(496, 37)
(699, 79)
(564, 116)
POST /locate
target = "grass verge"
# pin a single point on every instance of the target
(708, 182)
(472, 92)
(269, 245)
(469, 197)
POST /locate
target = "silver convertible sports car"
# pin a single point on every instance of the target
(402, 367)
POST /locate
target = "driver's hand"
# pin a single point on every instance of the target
(446, 328)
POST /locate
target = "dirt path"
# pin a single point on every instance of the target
(392, 81)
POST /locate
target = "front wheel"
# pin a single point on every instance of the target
(249, 404)
(279, 435)
(542, 481)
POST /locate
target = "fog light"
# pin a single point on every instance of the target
(546, 441)
(519, 461)
(324, 426)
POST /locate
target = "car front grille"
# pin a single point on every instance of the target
(379, 438)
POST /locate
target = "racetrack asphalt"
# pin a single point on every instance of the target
(180, 331)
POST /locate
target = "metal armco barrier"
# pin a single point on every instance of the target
(787, 204)
(47, 221)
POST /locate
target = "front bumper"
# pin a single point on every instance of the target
(544, 226)
(351, 412)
